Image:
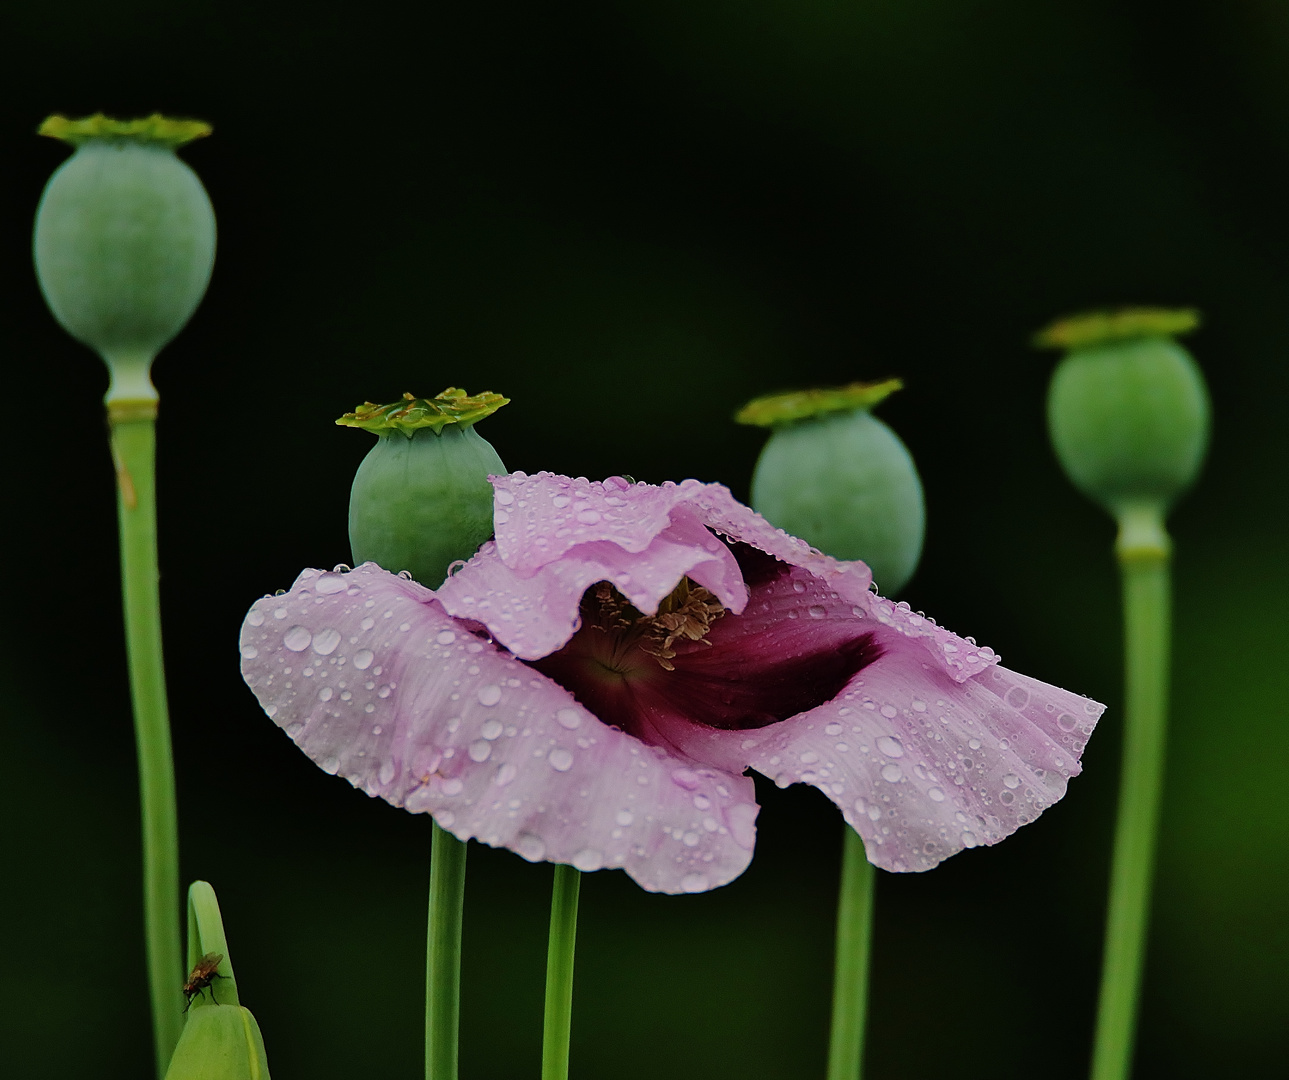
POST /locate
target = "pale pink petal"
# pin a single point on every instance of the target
(539, 518)
(921, 760)
(961, 657)
(922, 766)
(376, 683)
(535, 614)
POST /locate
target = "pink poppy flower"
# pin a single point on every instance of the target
(592, 685)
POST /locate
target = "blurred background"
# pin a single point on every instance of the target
(631, 217)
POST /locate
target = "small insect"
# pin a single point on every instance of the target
(202, 976)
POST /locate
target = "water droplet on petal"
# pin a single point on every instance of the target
(445, 637)
(363, 659)
(452, 786)
(588, 517)
(1011, 780)
(686, 778)
(969, 839)
(1066, 722)
(569, 718)
(890, 712)
(561, 760)
(491, 729)
(480, 750)
(505, 774)
(625, 818)
(490, 694)
(327, 584)
(297, 639)
(694, 883)
(250, 652)
(325, 694)
(799, 586)
(891, 773)
(890, 747)
(530, 847)
(587, 860)
(255, 618)
(330, 765)
(325, 642)
(935, 794)
(817, 612)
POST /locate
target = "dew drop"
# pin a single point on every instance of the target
(255, 618)
(530, 847)
(452, 786)
(250, 652)
(445, 637)
(1066, 722)
(363, 659)
(1011, 780)
(325, 694)
(686, 778)
(569, 718)
(890, 712)
(505, 773)
(799, 586)
(817, 612)
(891, 773)
(490, 694)
(587, 860)
(325, 642)
(969, 839)
(297, 639)
(327, 584)
(935, 794)
(889, 746)
(561, 760)
(694, 883)
(491, 729)
(588, 517)
(480, 750)
(625, 818)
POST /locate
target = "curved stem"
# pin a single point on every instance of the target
(559, 973)
(850, 972)
(133, 450)
(443, 955)
(1146, 602)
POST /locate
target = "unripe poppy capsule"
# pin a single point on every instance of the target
(421, 498)
(835, 475)
(1127, 408)
(124, 240)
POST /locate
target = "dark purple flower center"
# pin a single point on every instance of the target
(696, 663)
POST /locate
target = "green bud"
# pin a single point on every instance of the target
(1127, 408)
(124, 241)
(421, 498)
(220, 1040)
(836, 476)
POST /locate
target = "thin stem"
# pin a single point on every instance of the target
(1146, 605)
(559, 973)
(133, 449)
(443, 955)
(850, 972)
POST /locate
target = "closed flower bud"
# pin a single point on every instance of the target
(1127, 408)
(421, 498)
(219, 1042)
(124, 240)
(835, 475)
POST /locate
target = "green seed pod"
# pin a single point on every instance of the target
(124, 241)
(836, 476)
(421, 498)
(220, 1040)
(1127, 408)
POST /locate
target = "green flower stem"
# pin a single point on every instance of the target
(133, 450)
(1143, 551)
(559, 973)
(443, 955)
(850, 971)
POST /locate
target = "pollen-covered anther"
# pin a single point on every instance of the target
(687, 612)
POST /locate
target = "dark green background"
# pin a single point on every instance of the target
(630, 217)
